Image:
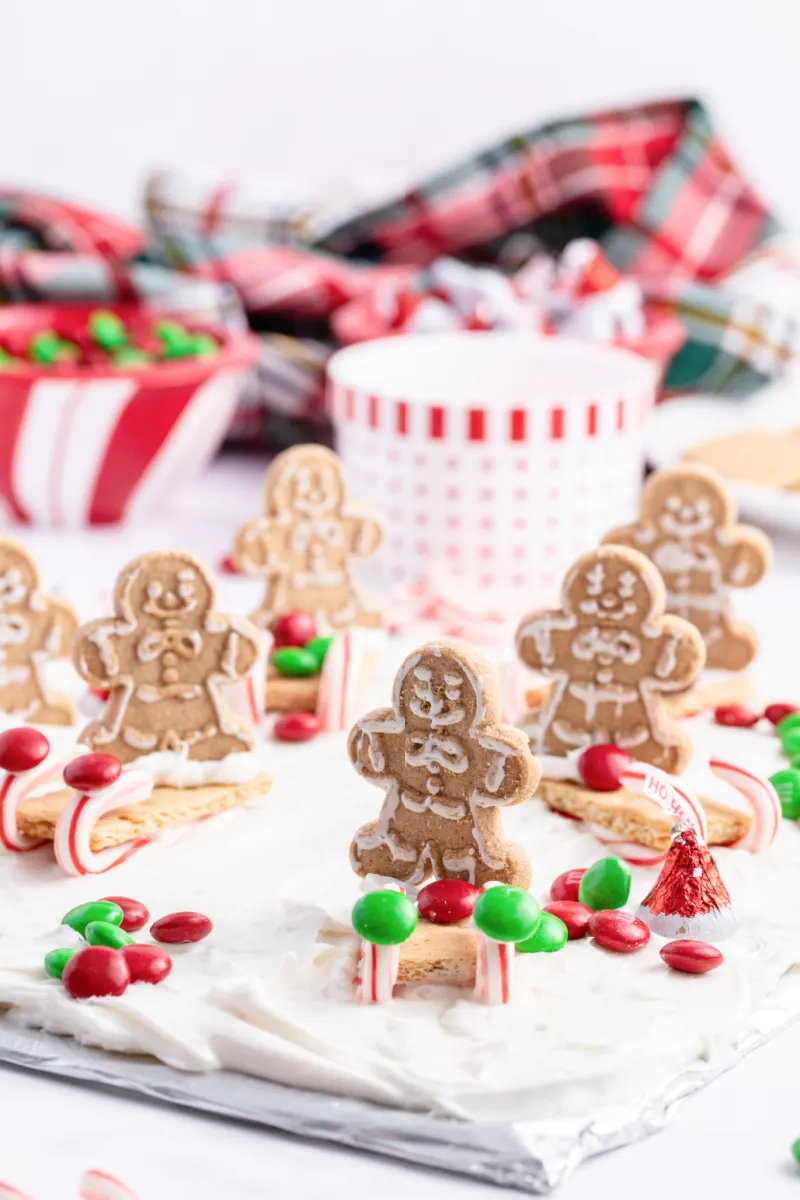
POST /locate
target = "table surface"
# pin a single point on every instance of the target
(734, 1136)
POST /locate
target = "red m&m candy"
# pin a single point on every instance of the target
(294, 629)
(296, 727)
(776, 712)
(693, 958)
(619, 931)
(178, 928)
(92, 772)
(96, 971)
(147, 964)
(736, 715)
(575, 916)
(600, 767)
(134, 913)
(447, 900)
(22, 750)
(565, 887)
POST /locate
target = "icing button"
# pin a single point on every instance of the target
(96, 971)
(601, 766)
(92, 772)
(566, 886)
(22, 750)
(693, 958)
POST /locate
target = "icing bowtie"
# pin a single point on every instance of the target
(184, 642)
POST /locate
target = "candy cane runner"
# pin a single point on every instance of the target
(27, 766)
(99, 1185)
(384, 921)
(765, 807)
(494, 970)
(101, 787)
(377, 973)
(656, 785)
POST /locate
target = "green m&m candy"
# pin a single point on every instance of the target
(96, 910)
(48, 348)
(385, 917)
(319, 647)
(56, 960)
(796, 1151)
(103, 933)
(129, 356)
(790, 736)
(606, 884)
(107, 330)
(550, 935)
(787, 785)
(294, 661)
(202, 345)
(506, 914)
(174, 338)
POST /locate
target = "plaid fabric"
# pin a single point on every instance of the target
(652, 184)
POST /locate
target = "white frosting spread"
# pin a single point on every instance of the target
(271, 993)
(175, 769)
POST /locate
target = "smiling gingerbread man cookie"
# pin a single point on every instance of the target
(687, 528)
(34, 629)
(446, 767)
(611, 653)
(305, 544)
(166, 658)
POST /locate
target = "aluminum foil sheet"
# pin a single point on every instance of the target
(532, 1156)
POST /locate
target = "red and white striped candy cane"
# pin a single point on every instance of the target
(672, 797)
(494, 970)
(633, 852)
(28, 765)
(762, 799)
(100, 789)
(99, 1185)
(377, 973)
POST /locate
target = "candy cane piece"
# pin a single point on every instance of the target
(18, 785)
(377, 974)
(99, 1185)
(72, 842)
(7, 1192)
(656, 785)
(765, 807)
(494, 970)
(633, 852)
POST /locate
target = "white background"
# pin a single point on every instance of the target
(94, 93)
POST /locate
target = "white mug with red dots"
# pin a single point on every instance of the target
(494, 458)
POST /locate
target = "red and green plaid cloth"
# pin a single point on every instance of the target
(652, 184)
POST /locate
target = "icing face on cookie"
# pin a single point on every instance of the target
(691, 512)
(605, 592)
(15, 585)
(438, 695)
(310, 488)
(183, 595)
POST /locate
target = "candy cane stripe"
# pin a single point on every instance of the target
(72, 841)
(762, 800)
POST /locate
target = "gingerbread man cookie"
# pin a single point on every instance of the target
(166, 657)
(686, 527)
(447, 768)
(305, 544)
(611, 652)
(33, 630)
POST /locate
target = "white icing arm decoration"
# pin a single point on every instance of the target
(29, 765)
(663, 790)
(762, 800)
(93, 799)
(494, 970)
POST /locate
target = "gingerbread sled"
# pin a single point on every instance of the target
(613, 657)
(447, 767)
(34, 630)
(305, 545)
(167, 662)
(687, 528)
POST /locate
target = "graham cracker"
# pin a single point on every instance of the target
(290, 694)
(439, 954)
(764, 456)
(166, 806)
(636, 819)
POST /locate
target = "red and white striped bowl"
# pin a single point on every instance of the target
(90, 445)
(495, 458)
